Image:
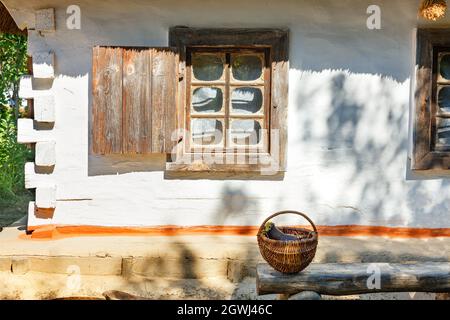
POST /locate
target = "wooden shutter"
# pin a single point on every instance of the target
(134, 100)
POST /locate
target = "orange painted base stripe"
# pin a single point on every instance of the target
(60, 231)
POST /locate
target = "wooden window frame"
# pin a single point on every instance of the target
(276, 42)
(425, 155)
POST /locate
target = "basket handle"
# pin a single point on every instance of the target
(286, 212)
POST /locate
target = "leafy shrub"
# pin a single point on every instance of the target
(13, 64)
(12, 158)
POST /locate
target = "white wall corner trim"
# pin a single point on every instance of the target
(45, 20)
(45, 154)
(46, 197)
(26, 133)
(26, 87)
(36, 180)
(43, 65)
(44, 108)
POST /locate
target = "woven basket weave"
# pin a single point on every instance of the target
(289, 256)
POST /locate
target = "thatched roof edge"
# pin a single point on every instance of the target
(7, 23)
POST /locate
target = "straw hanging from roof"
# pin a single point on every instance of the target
(433, 9)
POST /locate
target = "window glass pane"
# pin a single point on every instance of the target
(245, 132)
(246, 100)
(207, 67)
(444, 99)
(207, 100)
(246, 67)
(207, 131)
(445, 67)
(443, 132)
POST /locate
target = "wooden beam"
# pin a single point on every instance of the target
(443, 296)
(26, 87)
(347, 279)
(44, 108)
(119, 295)
(43, 65)
(26, 133)
(40, 213)
(46, 197)
(45, 20)
(36, 180)
(45, 154)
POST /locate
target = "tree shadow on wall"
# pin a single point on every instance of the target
(366, 136)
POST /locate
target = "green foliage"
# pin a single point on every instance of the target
(267, 227)
(13, 157)
(13, 64)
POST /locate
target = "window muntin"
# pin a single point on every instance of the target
(233, 98)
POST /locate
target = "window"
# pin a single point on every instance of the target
(234, 85)
(214, 94)
(432, 120)
(229, 99)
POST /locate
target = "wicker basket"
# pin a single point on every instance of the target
(289, 256)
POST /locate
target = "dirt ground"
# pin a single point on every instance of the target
(179, 267)
(56, 286)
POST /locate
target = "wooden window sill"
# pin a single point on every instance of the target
(222, 171)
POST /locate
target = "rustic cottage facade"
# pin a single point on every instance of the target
(194, 116)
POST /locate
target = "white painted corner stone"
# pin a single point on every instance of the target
(26, 133)
(45, 154)
(26, 87)
(44, 108)
(45, 20)
(44, 65)
(46, 197)
(36, 180)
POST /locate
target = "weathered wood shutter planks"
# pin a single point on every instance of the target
(164, 99)
(137, 105)
(107, 97)
(134, 100)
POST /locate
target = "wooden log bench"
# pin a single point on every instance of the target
(338, 279)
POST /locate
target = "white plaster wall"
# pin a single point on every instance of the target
(348, 118)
